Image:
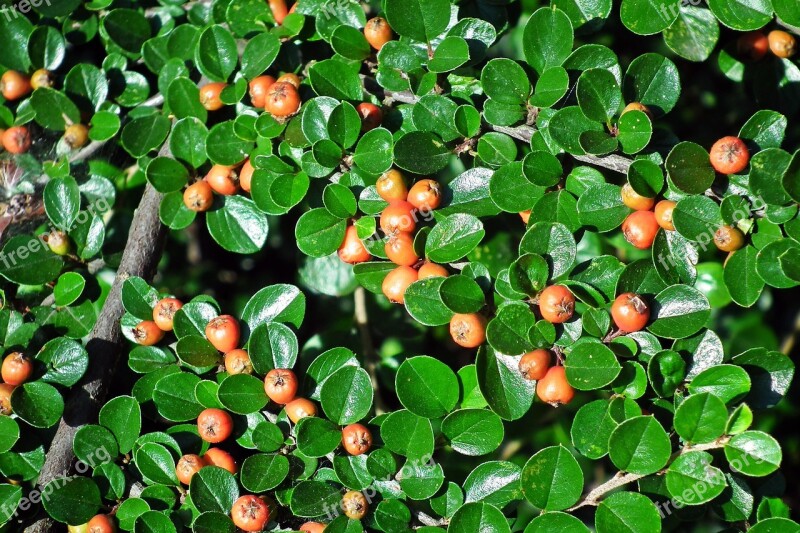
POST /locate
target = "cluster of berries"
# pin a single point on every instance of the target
(17, 139)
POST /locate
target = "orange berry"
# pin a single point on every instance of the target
(14, 85)
(630, 312)
(556, 304)
(251, 513)
(398, 216)
(147, 333)
(783, 44)
(281, 385)
(188, 466)
(198, 196)
(397, 281)
(554, 388)
(300, 408)
(640, 228)
(399, 248)
(729, 155)
(663, 213)
(282, 100)
(223, 333)
(164, 313)
(352, 249)
(391, 186)
(209, 95)
(258, 88)
(16, 369)
(214, 425)
(238, 362)
(356, 439)
(17, 140)
(425, 195)
(378, 32)
(246, 175)
(371, 116)
(534, 365)
(432, 270)
(728, 239)
(634, 200)
(222, 459)
(223, 180)
(468, 330)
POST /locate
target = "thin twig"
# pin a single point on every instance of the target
(621, 478)
(367, 347)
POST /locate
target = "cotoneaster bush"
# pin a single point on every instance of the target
(398, 265)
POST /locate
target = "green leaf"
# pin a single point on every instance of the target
(216, 55)
(426, 387)
(473, 431)
(156, 464)
(54, 110)
(407, 434)
(547, 39)
(420, 20)
(38, 404)
(627, 512)
(319, 233)
(754, 453)
(26, 259)
(259, 54)
(238, 225)
(692, 470)
(346, 396)
(275, 303)
(313, 498)
(242, 394)
(506, 391)
(555, 521)
(421, 153)
(68, 288)
(62, 202)
(601, 207)
(478, 516)
(214, 489)
(128, 29)
(591, 365)
(144, 134)
(700, 418)
(678, 312)
(728, 382)
(453, 237)
(139, 298)
(652, 79)
(639, 445)
(694, 33)
(742, 16)
(65, 361)
(594, 422)
(451, 53)
(350, 43)
(72, 501)
(123, 417)
(646, 17)
(317, 437)
(334, 78)
(552, 479)
(598, 94)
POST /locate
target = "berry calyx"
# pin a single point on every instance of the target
(210, 95)
(397, 281)
(391, 186)
(556, 304)
(729, 155)
(468, 330)
(238, 362)
(300, 408)
(534, 365)
(17, 140)
(281, 385)
(352, 249)
(354, 505)
(378, 32)
(356, 439)
(282, 100)
(425, 195)
(223, 333)
(728, 239)
(554, 388)
(663, 213)
(16, 369)
(640, 228)
(188, 466)
(630, 312)
(164, 313)
(214, 425)
(147, 333)
(250, 513)
(634, 200)
(399, 249)
(198, 196)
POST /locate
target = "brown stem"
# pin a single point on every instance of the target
(621, 478)
(367, 347)
(614, 162)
